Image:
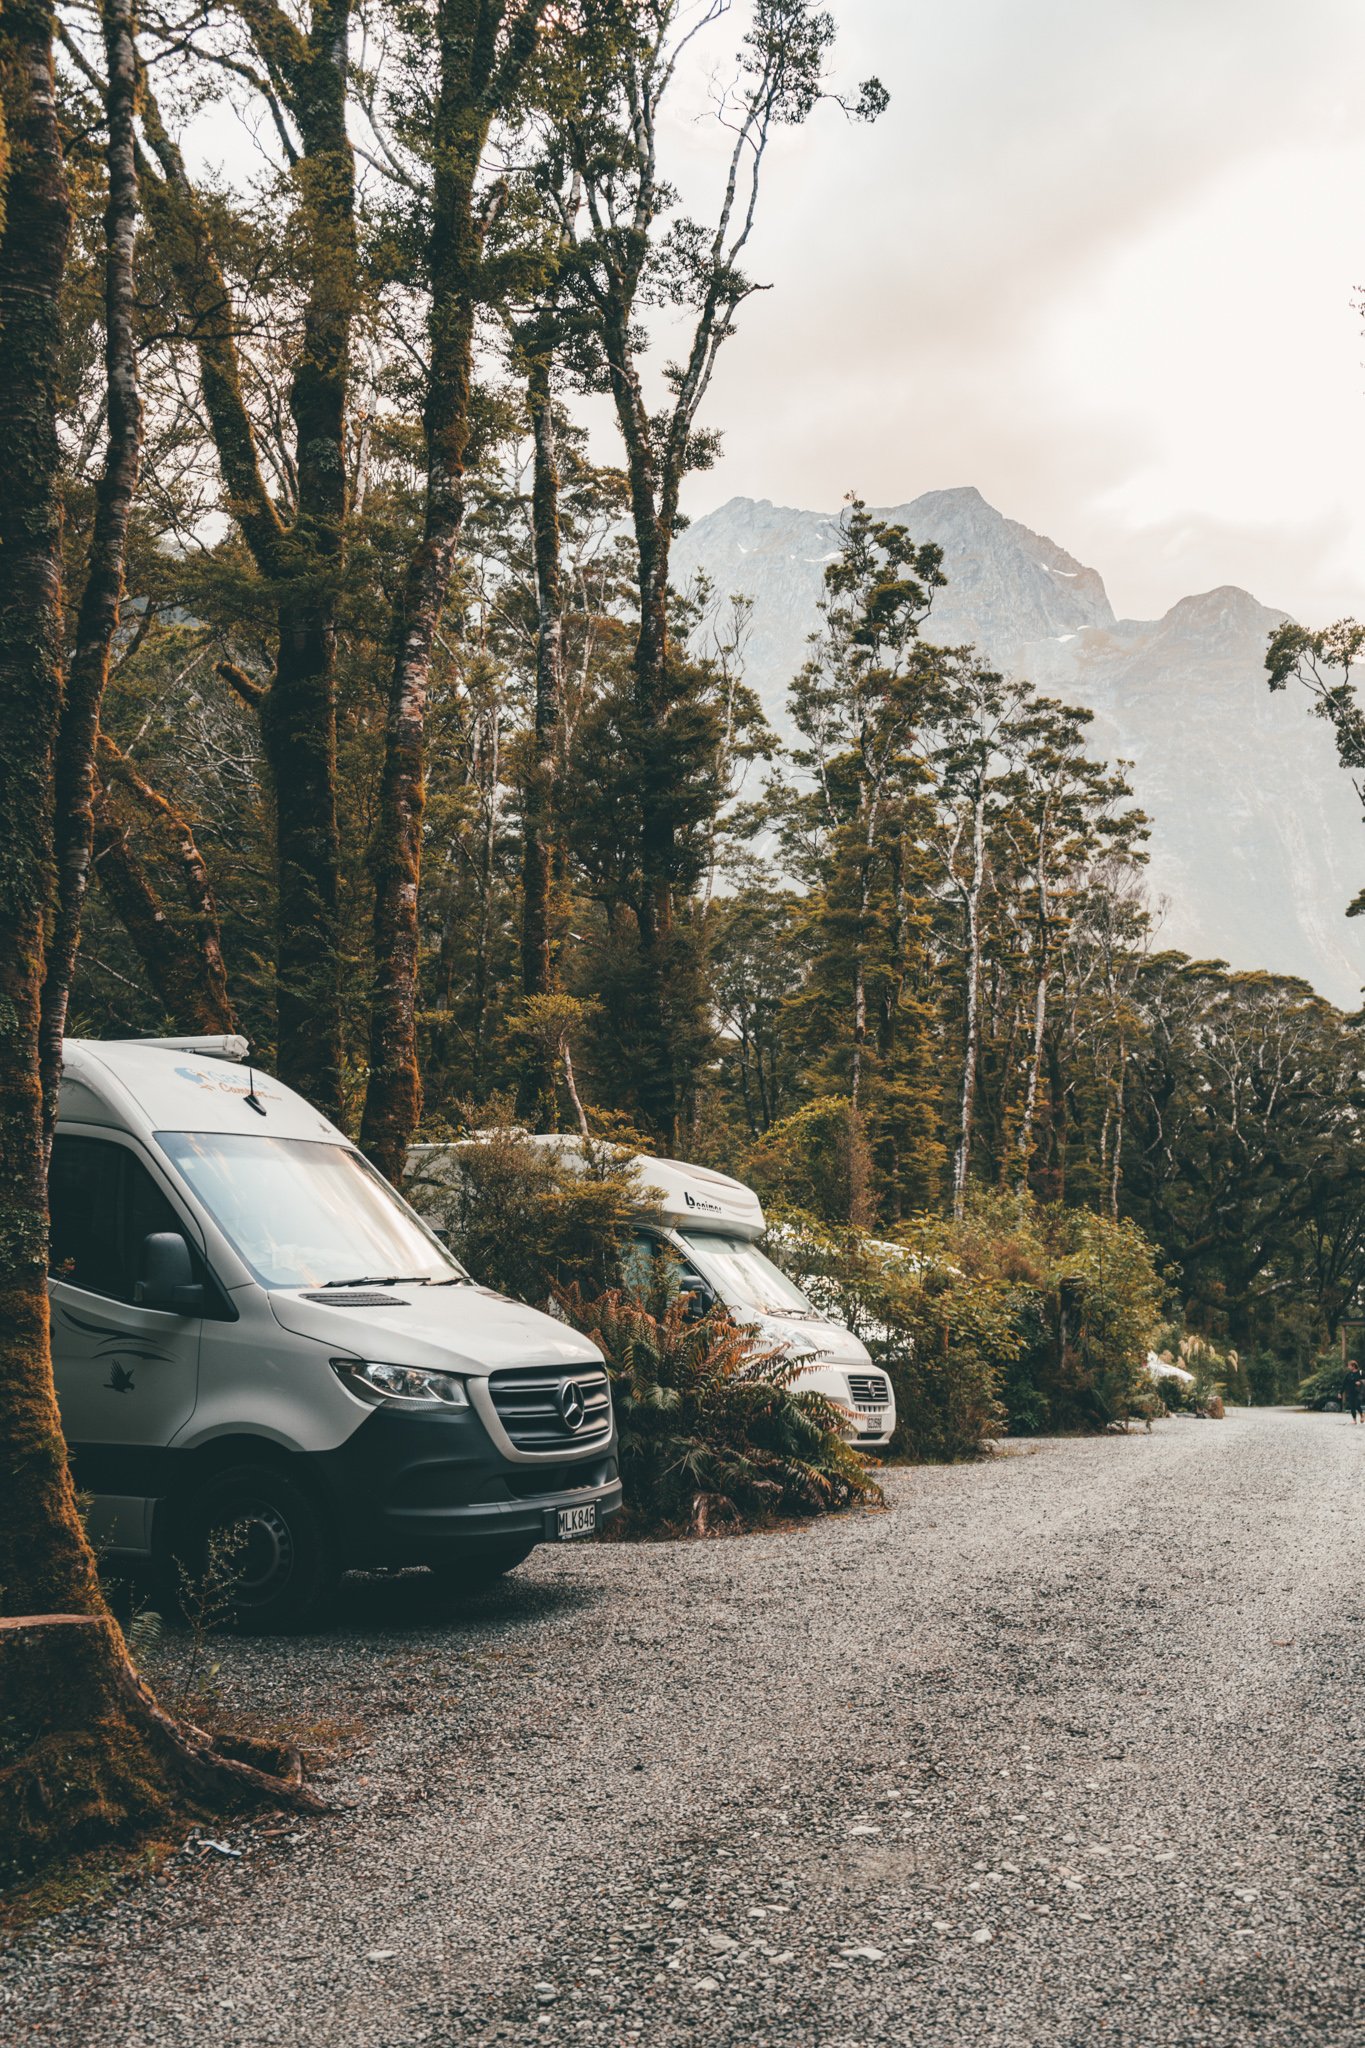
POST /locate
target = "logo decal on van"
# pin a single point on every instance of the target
(572, 1406)
(120, 1380)
(224, 1084)
(700, 1202)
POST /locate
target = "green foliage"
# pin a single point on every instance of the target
(1326, 1378)
(711, 1432)
(1019, 1316)
(526, 1222)
(942, 1336)
(817, 1161)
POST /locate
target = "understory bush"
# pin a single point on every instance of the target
(1214, 1373)
(941, 1339)
(1019, 1315)
(528, 1222)
(1326, 1379)
(711, 1430)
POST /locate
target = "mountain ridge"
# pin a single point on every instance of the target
(1256, 844)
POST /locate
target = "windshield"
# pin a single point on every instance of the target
(743, 1277)
(306, 1215)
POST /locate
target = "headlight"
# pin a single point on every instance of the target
(375, 1381)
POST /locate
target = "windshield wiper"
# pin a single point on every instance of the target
(383, 1280)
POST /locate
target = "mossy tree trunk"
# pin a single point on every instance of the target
(483, 48)
(538, 799)
(98, 619)
(300, 559)
(86, 1753)
(182, 953)
(45, 1561)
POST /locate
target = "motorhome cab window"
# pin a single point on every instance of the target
(304, 1214)
(104, 1205)
(740, 1273)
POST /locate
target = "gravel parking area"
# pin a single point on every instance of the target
(1063, 1748)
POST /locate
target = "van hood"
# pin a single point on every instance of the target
(808, 1337)
(464, 1329)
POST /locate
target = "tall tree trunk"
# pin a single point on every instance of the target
(89, 1755)
(298, 723)
(45, 1561)
(1040, 992)
(393, 1096)
(1116, 1163)
(483, 51)
(301, 563)
(98, 620)
(539, 796)
(650, 740)
(962, 1162)
(183, 959)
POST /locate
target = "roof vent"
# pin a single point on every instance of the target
(228, 1045)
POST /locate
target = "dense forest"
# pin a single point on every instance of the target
(415, 765)
(355, 363)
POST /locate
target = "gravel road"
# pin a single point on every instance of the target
(1064, 1748)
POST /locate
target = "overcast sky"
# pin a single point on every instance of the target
(1099, 259)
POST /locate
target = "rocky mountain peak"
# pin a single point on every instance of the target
(1256, 844)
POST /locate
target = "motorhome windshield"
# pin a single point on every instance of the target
(743, 1276)
(303, 1214)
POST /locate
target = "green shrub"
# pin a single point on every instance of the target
(1213, 1371)
(710, 1428)
(529, 1223)
(940, 1339)
(1017, 1315)
(1327, 1378)
(817, 1162)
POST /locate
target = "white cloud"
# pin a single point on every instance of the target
(1098, 261)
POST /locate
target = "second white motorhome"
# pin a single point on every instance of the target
(711, 1225)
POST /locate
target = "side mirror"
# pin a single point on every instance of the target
(168, 1280)
(700, 1299)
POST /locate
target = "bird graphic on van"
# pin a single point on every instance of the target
(120, 1380)
(226, 1084)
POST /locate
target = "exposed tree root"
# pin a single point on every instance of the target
(88, 1756)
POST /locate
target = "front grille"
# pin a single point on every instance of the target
(869, 1390)
(529, 1406)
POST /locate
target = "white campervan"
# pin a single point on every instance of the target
(251, 1329)
(711, 1224)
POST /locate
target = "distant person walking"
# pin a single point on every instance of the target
(1353, 1390)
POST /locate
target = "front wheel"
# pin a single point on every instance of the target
(254, 1550)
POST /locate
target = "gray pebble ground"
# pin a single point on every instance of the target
(1064, 1748)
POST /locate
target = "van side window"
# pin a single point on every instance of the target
(104, 1204)
(637, 1262)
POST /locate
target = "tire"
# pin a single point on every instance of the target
(469, 1571)
(274, 1566)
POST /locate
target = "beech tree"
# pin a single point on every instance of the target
(1324, 663)
(629, 256)
(855, 835)
(296, 546)
(481, 51)
(96, 1754)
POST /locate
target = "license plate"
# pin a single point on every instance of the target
(576, 1521)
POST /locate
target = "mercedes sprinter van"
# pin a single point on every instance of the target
(710, 1225)
(251, 1330)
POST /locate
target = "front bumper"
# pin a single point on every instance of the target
(413, 1488)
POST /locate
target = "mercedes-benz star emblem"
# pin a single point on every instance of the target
(572, 1406)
